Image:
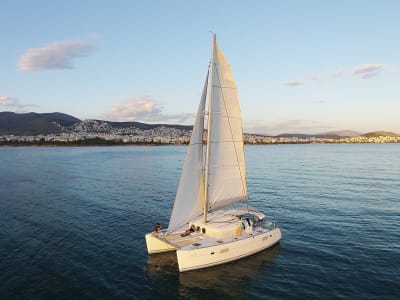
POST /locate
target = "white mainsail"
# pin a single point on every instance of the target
(189, 198)
(226, 169)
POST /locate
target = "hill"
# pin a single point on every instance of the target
(30, 124)
(380, 133)
(297, 135)
(330, 134)
(48, 123)
(145, 126)
(341, 133)
(34, 123)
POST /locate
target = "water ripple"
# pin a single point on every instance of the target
(72, 224)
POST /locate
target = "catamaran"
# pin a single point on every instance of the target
(211, 222)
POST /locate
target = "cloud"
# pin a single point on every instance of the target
(367, 68)
(143, 109)
(370, 75)
(367, 71)
(292, 83)
(13, 103)
(53, 56)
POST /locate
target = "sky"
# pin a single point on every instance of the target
(300, 66)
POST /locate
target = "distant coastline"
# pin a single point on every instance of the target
(58, 129)
(52, 141)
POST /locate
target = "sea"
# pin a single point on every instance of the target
(73, 220)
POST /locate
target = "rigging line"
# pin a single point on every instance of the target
(230, 127)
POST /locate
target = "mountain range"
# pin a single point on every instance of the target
(52, 123)
(34, 123)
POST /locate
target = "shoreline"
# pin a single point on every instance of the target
(16, 145)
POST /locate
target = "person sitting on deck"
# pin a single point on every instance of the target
(189, 231)
(157, 228)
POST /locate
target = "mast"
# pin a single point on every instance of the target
(209, 126)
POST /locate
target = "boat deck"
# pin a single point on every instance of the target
(204, 241)
(223, 227)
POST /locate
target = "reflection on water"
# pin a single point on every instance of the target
(162, 263)
(226, 280)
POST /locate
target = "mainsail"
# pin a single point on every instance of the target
(226, 169)
(225, 180)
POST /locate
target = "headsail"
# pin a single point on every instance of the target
(226, 169)
(190, 195)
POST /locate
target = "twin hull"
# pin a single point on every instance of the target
(190, 258)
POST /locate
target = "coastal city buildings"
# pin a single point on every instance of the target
(101, 132)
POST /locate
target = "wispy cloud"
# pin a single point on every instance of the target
(53, 56)
(13, 104)
(143, 109)
(326, 76)
(367, 68)
(367, 71)
(292, 83)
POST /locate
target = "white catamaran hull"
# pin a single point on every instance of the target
(156, 245)
(191, 259)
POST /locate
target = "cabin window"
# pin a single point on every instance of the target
(203, 230)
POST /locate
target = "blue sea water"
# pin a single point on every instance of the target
(73, 220)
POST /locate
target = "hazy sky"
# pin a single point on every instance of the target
(301, 66)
